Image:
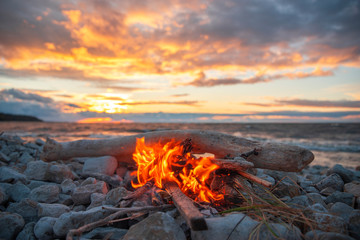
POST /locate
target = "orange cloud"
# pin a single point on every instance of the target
(103, 120)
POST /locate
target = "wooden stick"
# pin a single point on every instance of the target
(274, 156)
(255, 179)
(119, 212)
(240, 164)
(190, 213)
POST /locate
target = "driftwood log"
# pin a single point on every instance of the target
(274, 156)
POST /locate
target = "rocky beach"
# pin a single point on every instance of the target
(84, 198)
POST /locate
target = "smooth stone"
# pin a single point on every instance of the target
(343, 197)
(109, 233)
(104, 165)
(45, 194)
(316, 198)
(354, 224)
(10, 175)
(73, 220)
(346, 174)
(27, 208)
(81, 195)
(89, 180)
(25, 158)
(342, 210)
(282, 231)
(4, 157)
(44, 228)
(11, 224)
(329, 223)
(353, 188)
(65, 199)
(287, 188)
(96, 200)
(320, 235)
(36, 170)
(58, 173)
(39, 142)
(334, 181)
(114, 195)
(317, 207)
(67, 186)
(52, 210)
(299, 202)
(35, 183)
(328, 191)
(18, 191)
(156, 226)
(3, 196)
(27, 233)
(281, 176)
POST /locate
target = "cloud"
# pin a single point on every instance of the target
(186, 103)
(310, 103)
(109, 41)
(14, 94)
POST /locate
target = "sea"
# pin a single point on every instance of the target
(331, 143)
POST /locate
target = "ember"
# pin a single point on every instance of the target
(172, 163)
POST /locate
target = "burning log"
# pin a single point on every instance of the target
(274, 156)
(190, 213)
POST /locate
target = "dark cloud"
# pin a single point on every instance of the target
(23, 96)
(310, 103)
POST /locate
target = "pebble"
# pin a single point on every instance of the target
(45, 194)
(104, 165)
(4, 157)
(39, 170)
(27, 233)
(44, 228)
(346, 174)
(159, 226)
(35, 183)
(11, 224)
(329, 223)
(320, 235)
(73, 220)
(109, 233)
(96, 200)
(113, 196)
(343, 197)
(3, 196)
(353, 188)
(354, 224)
(334, 181)
(342, 210)
(18, 191)
(52, 210)
(27, 208)
(299, 202)
(58, 173)
(10, 175)
(67, 186)
(81, 194)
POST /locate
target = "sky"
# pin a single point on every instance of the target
(181, 60)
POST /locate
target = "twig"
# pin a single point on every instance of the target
(108, 219)
(255, 178)
(126, 201)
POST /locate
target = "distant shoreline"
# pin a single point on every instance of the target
(18, 118)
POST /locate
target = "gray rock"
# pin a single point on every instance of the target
(353, 188)
(328, 191)
(27, 233)
(342, 210)
(18, 191)
(14, 156)
(44, 228)
(315, 198)
(354, 224)
(280, 175)
(96, 200)
(52, 210)
(320, 235)
(157, 226)
(104, 165)
(280, 230)
(35, 183)
(79, 208)
(73, 220)
(39, 142)
(287, 188)
(343, 197)
(329, 223)
(4, 157)
(58, 173)
(65, 199)
(81, 195)
(36, 170)
(10, 175)
(89, 180)
(67, 186)
(346, 174)
(113, 196)
(45, 194)
(317, 207)
(25, 158)
(3, 196)
(299, 202)
(334, 181)
(102, 232)
(11, 224)
(27, 208)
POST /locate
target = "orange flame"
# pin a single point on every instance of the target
(161, 163)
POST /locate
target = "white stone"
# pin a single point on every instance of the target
(104, 165)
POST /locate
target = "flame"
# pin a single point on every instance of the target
(162, 163)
